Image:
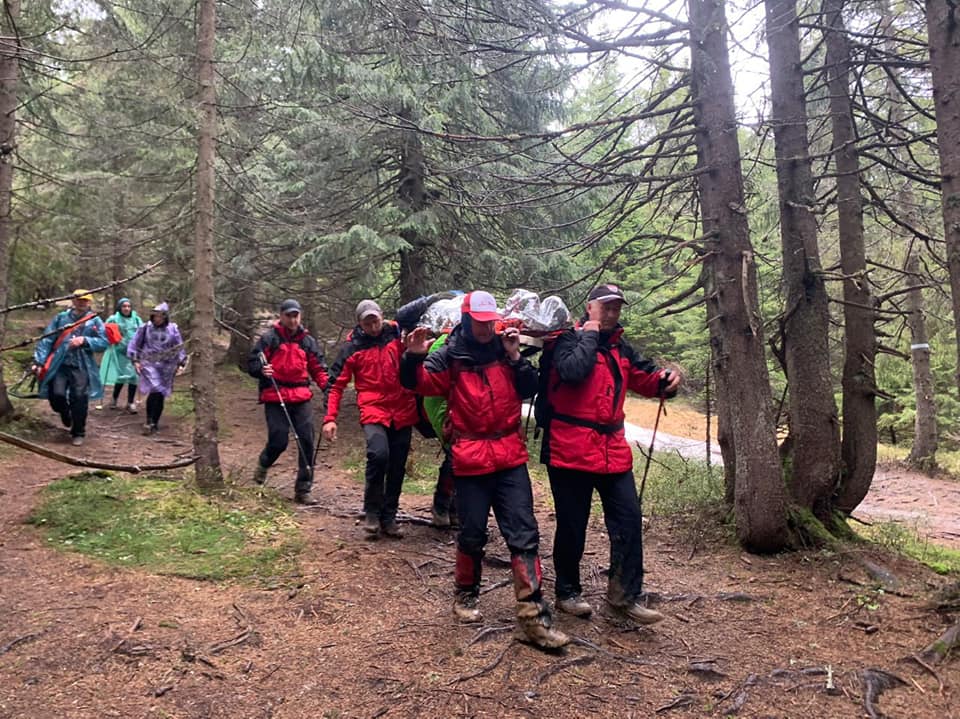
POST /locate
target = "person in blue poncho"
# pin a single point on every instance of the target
(116, 368)
(63, 360)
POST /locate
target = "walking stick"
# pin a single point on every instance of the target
(653, 438)
(283, 405)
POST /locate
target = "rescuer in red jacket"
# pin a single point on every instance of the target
(485, 379)
(584, 378)
(293, 357)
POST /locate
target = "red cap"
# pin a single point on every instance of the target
(480, 306)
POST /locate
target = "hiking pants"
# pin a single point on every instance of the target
(572, 496)
(443, 495)
(278, 437)
(68, 396)
(155, 401)
(509, 494)
(387, 450)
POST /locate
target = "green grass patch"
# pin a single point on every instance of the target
(906, 540)
(168, 528)
(948, 461)
(677, 486)
(179, 404)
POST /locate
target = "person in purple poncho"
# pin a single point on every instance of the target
(158, 355)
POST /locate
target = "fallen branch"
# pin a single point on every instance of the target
(19, 640)
(684, 700)
(90, 464)
(606, 652)
(560, 666)
(481, 635)
(489, 668)
(232, 642)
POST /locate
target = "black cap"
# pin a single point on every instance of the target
(606, 293)
(289, 306)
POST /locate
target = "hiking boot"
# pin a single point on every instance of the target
(306, 499)
(76, 441)
(149, 428)
(113, 403)
(639, 613)
(131, 408)
(535, 626)
(575, 605)
(441, 519)
(260, 474)
(392, 529)
(371, 524)
(466, 609)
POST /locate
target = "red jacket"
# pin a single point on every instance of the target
(484, 392)
(373, 363)
(295, 359)
(583, 384)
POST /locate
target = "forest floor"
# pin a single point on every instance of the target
(365, 630)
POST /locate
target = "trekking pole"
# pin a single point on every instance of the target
(653, 438)
(283, 405)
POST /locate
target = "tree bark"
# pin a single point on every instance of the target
(413, 196)
(243, 322)
(814, 462)
(943, 35)
(9, 75)
(923, 454)
(736, 337)
(924, 451)
(204, 378)
(858, 447)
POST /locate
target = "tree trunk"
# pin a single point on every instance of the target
(243, 322)
(924, 451)
(859, 444)
(204, 379)
(814, 462)
(413, 196)
(923, 454)
(736, 336)
(9, 74)
(943, 35)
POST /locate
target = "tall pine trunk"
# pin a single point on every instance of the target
(814, 460)
(204, 379)
(859, 442)
(736, 336)
(923, 453)
(943, 35)
(9, 74)
(413, 196)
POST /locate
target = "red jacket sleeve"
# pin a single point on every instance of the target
(643, 376)
(430, 378)
(340, 377)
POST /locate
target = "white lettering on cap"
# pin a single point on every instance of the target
(482, 302)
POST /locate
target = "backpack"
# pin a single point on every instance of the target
(114, 333)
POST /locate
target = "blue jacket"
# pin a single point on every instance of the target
(95, 340)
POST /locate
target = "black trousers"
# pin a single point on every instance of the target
(508, 493)
(278, 437)
(68, 396)
(131, 392)
(387, 450)
(155, 401)
(572, 496)
(443, 494)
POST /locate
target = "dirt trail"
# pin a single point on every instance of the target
(364, 630)
(928, 504)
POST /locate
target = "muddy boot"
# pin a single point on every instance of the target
(371, 524)
(392, 529)
(466, 573)
(535, 626)
(466, 609)
(636, 611)
(575, 605)
(260, 474)
(441, 518)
